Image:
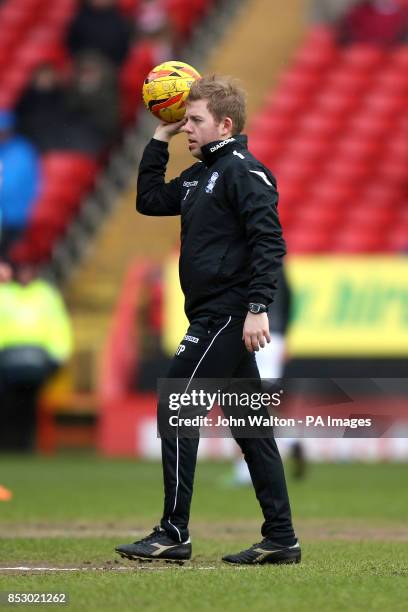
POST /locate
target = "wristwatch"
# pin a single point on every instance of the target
(257, 308)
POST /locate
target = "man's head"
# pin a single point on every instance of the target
(25, 272)
(45, 77)
(216, 110)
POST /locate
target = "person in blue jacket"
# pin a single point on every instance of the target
(19, 181)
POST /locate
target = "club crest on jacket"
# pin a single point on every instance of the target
(211, 182)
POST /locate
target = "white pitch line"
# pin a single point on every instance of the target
(87, 569)
(41, 569)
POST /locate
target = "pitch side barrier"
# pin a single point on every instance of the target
(123, 411)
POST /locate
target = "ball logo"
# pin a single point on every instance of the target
(211, 182)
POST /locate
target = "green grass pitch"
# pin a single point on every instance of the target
(70, 511)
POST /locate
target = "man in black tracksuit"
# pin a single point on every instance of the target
(231, 253)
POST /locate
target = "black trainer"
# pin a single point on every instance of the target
(266, 552)
(156, 546)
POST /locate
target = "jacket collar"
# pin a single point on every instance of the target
(214, 150)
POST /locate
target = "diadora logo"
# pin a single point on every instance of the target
(180, 349)
(191, 339)
(211, 182)
(221, 144)
(190, 183)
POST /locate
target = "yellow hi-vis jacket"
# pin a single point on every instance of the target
(35, 315)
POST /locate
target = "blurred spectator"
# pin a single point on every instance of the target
(5, 268)
(153, 361)
(99, 25)
(35, 340)
(41, 111)
(330, 11)
(19, 181)
(5, 272)
(153, 24)
(383, 22)
(92, 104)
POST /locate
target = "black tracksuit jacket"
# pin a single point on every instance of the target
(231, 239)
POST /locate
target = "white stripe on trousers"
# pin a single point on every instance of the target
(178, 412)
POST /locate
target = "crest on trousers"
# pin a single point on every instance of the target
(211, 182)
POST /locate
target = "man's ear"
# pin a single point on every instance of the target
(227, 126)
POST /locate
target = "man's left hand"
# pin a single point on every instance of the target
(256, 331)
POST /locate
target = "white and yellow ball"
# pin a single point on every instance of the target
(166, 89)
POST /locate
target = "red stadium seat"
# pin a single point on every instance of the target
(286, 103)
(320, 37)
(291, 195)
(267, 125)
(341, 168)
(286, 215)
(367, 125)
(382, 103)
(357, 149)
(345, 80)
(61, 12)
(128, 7)
(184, 14)
(362, 58)
(318, 217)
(368, 216)
(399, 58)
(7, 98)
(299, 81)
(140, 61)
(10, 38)
(56, 219)
(335, 103)
(332, 192)
(34, 52)
(359, 239)
(14, 82)
(75, 166)
(306, 149)
(316, 125)
(66, 194)
(303, 240)
(315, 59)
(397, 239)
(392, 80)
(382, 194)
(393, 171)
(15, 18)
(290, 169)
(266, 148)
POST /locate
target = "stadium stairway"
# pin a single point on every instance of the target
(256, 47)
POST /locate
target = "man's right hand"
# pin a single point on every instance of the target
(166, 131)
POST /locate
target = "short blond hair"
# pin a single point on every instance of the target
(225, 98)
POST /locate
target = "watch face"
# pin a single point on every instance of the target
(255, 308)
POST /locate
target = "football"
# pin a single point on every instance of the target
(166, 88)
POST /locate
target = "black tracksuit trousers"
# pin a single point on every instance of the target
(220, 353)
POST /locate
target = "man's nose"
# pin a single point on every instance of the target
(186, 127)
